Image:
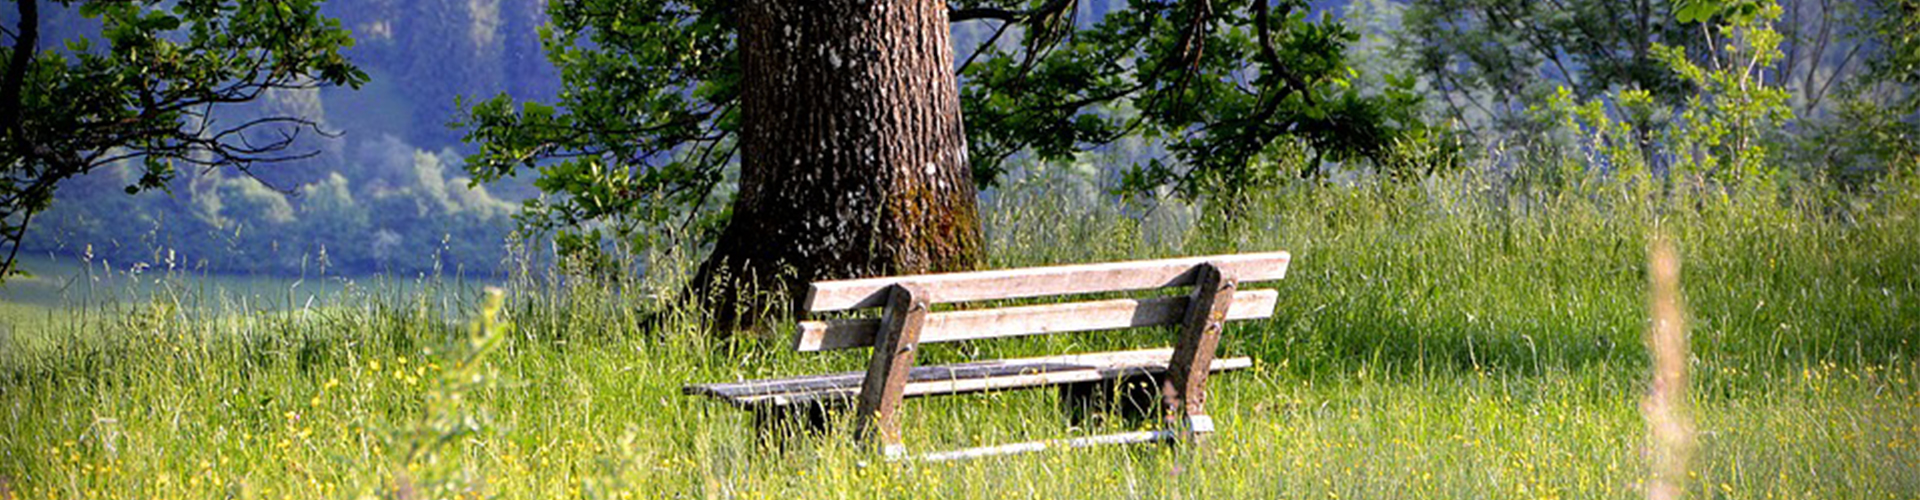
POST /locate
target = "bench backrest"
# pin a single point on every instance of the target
(829, 296)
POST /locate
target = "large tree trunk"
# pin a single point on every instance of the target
(853, 160)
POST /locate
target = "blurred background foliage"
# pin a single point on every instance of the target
(388, 195)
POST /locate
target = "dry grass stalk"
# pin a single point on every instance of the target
(1669, 427)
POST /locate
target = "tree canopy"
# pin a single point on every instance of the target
(149, 89)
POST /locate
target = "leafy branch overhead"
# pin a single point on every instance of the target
(642, 137)
(1221, 84)
(647, 124)
(1700, 11)
(147, 90)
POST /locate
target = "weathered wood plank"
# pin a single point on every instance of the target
(1005, 374)
(963, 386)
(1033, 446)
(887, 370)
(1186, 383)
(849, 380)
(1030, 320)
(974, 369)
(1042, 281)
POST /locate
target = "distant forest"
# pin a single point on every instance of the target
(387, 195)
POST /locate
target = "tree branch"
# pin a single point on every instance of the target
(25, 44)
(982, 48)
(1813, 102)
(1263, 26)
(19, 235)
(1004, 14)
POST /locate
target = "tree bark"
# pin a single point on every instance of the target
(853, 159)
(19, 57)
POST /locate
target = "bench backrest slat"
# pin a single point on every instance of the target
(842, 295)
(1030, 320)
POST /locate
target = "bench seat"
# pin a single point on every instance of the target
(996, 375)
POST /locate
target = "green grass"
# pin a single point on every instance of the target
(1443, 340)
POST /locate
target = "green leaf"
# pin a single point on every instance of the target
(160, 22)
(1692, 11)
(533, 109)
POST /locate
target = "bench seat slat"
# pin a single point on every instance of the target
(1003, 374)
(1043, 281)
(953, 326)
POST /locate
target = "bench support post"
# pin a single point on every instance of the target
(1184, 391)
(893, 352)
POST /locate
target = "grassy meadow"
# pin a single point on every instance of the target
(1451, 339)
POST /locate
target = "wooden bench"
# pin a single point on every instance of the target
(1176, 375)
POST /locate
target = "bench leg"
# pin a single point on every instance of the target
(1132, 400)
(876, 418)
(1184, 391)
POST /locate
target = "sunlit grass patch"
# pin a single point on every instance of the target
(1431, 340)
